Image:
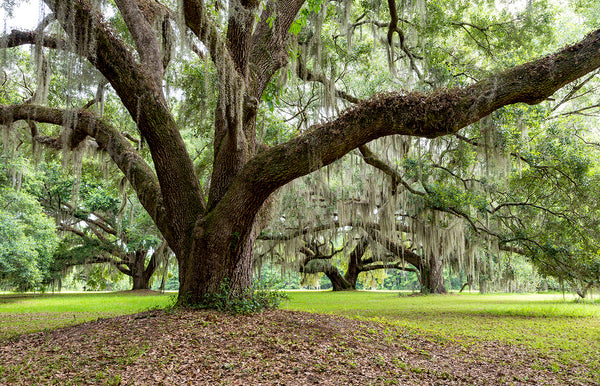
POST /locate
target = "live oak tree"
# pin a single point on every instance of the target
(117, 239)
(436, 179)
(362, 251)
(453, 206)
(212, 228)
(545, 210)
(99, 223)
(88, 252)
(346, 233)
(551, 212)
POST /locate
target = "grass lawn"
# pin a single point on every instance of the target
(563, 330)
(21, 314)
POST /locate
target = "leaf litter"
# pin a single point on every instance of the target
(184, 347)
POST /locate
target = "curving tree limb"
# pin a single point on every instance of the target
(425, 115)
(109, 139)
(143, 34)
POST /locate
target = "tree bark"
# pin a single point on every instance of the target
(432, 276)
(221, 254)
(339, 282)
(483, 284)
(141, 281)
(355, 266)
(140, 272)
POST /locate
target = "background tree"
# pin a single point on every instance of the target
(101, 224)
(91, 238)
(465, 177)
(27, 234)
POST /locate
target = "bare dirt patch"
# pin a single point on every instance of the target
(271, 348)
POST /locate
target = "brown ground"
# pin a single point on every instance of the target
(271, 348)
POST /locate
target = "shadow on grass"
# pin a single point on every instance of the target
(15, 297)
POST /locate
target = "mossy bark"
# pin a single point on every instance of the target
(432, 276)
(140, 271)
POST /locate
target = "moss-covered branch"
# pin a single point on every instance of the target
(144, 99)
(109, 139)
(146, 42)
(425, 115)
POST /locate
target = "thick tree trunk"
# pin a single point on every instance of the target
(432, 276)
(338, 282)
(355, 266)
(220, 254)
(351, 277)
(140, 282)
(483, 284)
(213, 268)
(138, 271)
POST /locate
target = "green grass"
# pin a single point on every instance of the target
(20, 314)
(561, 329)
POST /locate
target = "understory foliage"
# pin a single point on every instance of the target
(259, 297)
(27, 235)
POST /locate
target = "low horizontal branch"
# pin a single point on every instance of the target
(109, 139)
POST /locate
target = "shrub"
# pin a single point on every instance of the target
(259, 297)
